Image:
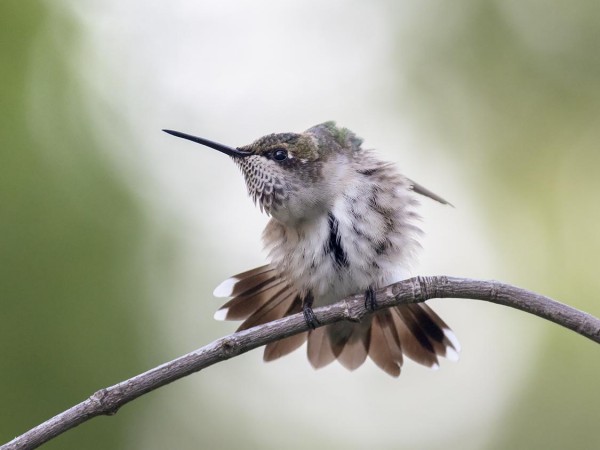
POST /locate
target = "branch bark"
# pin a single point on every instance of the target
(415, 290)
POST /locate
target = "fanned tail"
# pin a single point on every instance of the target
(416, 331)
(260, 296)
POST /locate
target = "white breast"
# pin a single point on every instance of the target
(376, 243)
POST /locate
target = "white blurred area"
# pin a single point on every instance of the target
(231, 72)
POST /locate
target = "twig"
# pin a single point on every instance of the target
(107, 401)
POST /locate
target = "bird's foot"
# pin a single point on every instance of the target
(310, 318)
(309, 314)
(370, 299)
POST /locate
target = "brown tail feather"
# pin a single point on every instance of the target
(357, 347)
(385, 349)
(339, 333)
(435, 333)
(247, 288)
(319, 349)
(241, 307)
(415, 343)
(247, 284)
(273, 309)
(282, 347)
(249, 274)
(415, 331)
(277, 349)
(451, 344)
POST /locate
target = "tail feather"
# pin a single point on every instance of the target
(280, 348)
(277, 349)
(434, 327)
(415, 343)
(244, 305)
(319, 350)
(232, 286)
(385, 349)
(339, 334)
(450, 340)
(356, 349)
(272, 310)
(415, 330)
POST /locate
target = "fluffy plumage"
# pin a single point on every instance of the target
(342, 222)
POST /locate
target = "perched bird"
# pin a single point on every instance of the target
(342, 222)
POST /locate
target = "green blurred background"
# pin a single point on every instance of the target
(112, 235)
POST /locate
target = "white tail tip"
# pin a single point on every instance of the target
(451, 354)
(452, 338)
(221, 314)
(225, 288)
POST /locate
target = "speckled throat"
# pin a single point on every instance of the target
(266, 188)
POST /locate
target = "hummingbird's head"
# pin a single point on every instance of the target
(293, 176)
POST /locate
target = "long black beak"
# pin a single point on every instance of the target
(231, 151)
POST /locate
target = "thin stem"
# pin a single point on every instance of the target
(415, 290)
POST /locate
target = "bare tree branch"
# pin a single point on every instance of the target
(107, 401)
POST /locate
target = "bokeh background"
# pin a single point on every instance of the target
(113, 234)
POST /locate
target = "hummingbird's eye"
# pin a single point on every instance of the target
(280, 154)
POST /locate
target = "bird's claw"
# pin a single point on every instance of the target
(370, 299)
(310, 318)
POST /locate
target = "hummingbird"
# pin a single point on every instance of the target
(342, 222)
